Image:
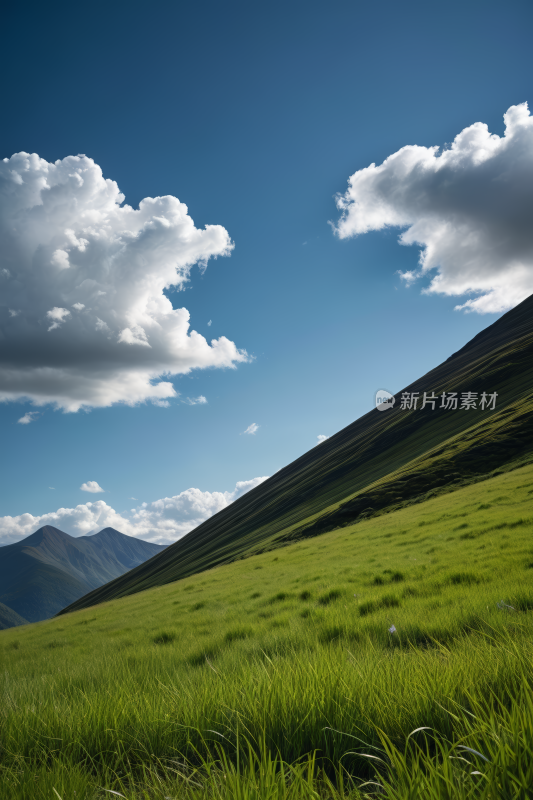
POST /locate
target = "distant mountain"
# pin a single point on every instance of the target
(10, 618)
(50, 569)
(381, 461)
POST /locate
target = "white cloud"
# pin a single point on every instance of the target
(163, 521)
(76, 521)
(28, 417)
(69, 245)
(194, 401)
(60, 259)
(58, 316)
(170, 518)
(134, 335)
(91, 486)
(253, 428)
(468, 207)
(209, 323)
(100, 325)
(321, 438)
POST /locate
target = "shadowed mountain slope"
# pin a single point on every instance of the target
(10, 618)
(50, 569)
(379, 462)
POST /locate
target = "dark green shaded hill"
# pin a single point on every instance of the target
(10, 618)
(50, 569)
(381, 461)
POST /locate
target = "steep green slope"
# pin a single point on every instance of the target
(293, 650)
(380, 461)
(50, 569)
(10, 618)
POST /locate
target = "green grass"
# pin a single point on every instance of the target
(272, 677)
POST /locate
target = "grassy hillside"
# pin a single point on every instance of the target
(290, 652)
(10, 618)
(383, 460)
(50, 569)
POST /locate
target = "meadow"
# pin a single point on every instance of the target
(391, 658)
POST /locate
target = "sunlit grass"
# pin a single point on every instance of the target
(285, 661)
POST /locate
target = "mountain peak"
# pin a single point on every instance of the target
(44, 534)
(50, 569)
(106, 533)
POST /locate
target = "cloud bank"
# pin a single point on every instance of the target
(163, 521)
(84, 321)
(469, 207)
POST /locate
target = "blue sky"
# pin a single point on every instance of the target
(254, 116)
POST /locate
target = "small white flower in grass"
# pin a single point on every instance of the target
(392, 629)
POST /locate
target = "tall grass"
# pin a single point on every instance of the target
(285, 682)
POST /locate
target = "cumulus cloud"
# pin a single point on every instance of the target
(321, 438)
(163, 521)
(28, 417)
(91, 486)
(468, 207)
(77, 521)
(253, 428)
(84, 318)
(58, 316)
